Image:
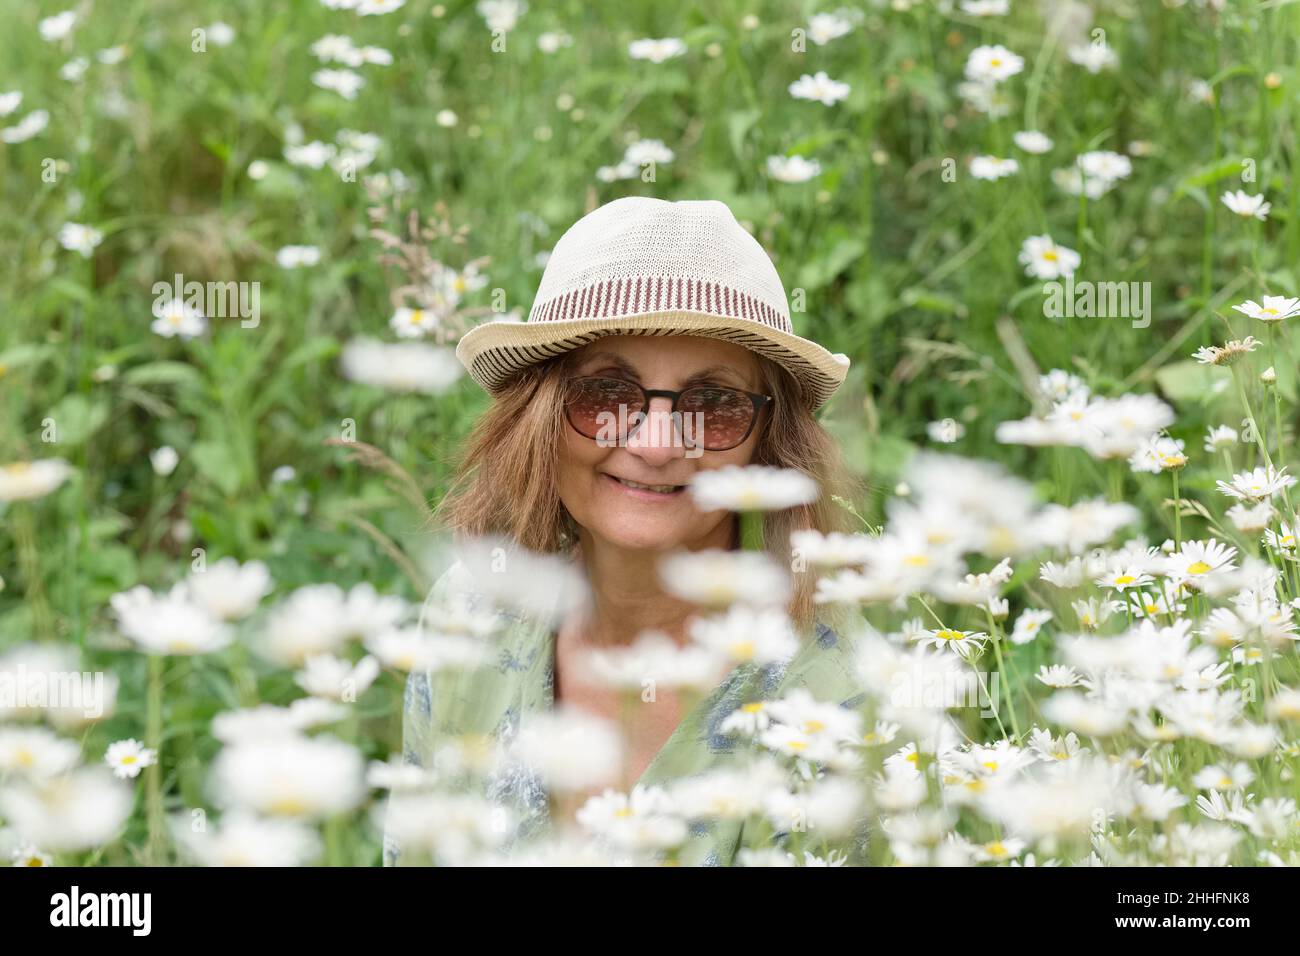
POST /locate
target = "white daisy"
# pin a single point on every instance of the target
(1044, 259)
(1245, 205)
(819, 87)
(128, 757)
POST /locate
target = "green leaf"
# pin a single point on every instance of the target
(738, 124)
(21, 355)
(76, 418)
(1191, 383)
(214, 461)
(824, 267)
(163, 373)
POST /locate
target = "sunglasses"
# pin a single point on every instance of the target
(611, 409)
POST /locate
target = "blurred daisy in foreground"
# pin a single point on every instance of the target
(405, 367)
(29, 855)
(58, 26)
(1032, 141)
(374, 8)
(745, 635)
(1044, 259)
(79, 238)
(333, 678)
(176, 318)
(792, 169)
(992, 167)
(992, 64)
(313, 155)
(167, 623)
(35, 752)
(164, 460)
(946, 431)
(229, 590)
(752, 488)
(30, 125)
(654, 657)
(294, 257)
(571, 750)
(1245, 205)
(346, 83)
(656, 51)
(74, 811)
(825, 27)
(309, 778)
(714, 578)
(501, 14)
(1105, 165)
(128, 757)
(819, 87)
(645, 819)
(985, 8)
(242, 839)
(24, 480)
(553, 42)
(1093, 57)
(221, 34)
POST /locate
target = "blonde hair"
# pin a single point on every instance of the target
(505, 483)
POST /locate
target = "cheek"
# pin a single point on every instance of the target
(576, 470)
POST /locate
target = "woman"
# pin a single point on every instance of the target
(659, 346)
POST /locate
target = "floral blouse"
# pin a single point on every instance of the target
(494, 701)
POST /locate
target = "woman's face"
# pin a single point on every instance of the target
(594, 476)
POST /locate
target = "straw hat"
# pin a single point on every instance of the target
(641, 266)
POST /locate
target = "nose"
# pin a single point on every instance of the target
(657, 441)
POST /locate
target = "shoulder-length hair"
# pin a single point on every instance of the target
(505, 483)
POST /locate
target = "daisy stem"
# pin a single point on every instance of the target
(156, 845)
(1277, 399)
(997, 635)
(751, 530)
(1178, 513)
(24, 531)
(1250, 417)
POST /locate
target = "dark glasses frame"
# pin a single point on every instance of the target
(758, 400)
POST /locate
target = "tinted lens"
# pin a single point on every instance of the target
(724, 414)
(593, 406)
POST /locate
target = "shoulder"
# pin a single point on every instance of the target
(826, 666)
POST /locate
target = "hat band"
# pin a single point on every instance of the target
(637, 295)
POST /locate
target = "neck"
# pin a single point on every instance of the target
(627, 597)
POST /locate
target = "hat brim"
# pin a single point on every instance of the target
(494, 352)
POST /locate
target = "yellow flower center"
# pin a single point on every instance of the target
(1125, 579)
(288, 806)
(1198, 567)
(742, 650)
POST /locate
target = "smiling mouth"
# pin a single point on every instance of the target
(639, 486)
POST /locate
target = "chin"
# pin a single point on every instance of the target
(635, 534)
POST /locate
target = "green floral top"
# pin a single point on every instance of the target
(496, 700)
